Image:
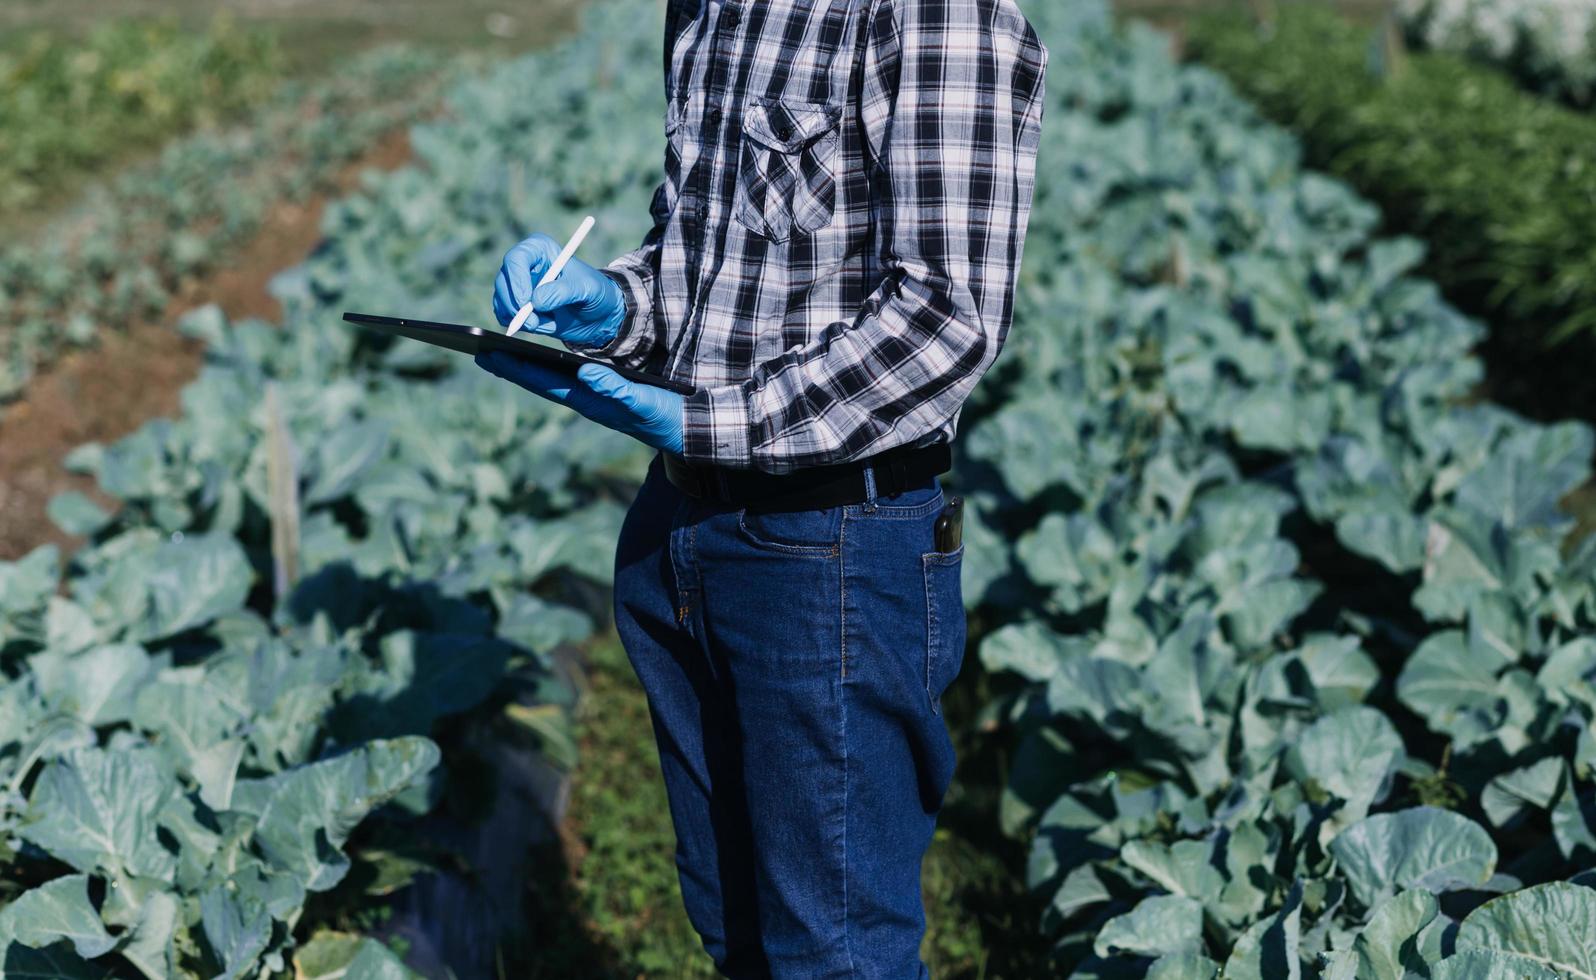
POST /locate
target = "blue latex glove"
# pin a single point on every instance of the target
(583, 306)
(646, 413)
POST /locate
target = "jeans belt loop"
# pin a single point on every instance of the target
(870, 487)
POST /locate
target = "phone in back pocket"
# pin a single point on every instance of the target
(950, 526)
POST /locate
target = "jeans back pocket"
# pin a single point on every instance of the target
(945, 622)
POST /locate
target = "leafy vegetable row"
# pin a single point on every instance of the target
(132, 244)
(198, 747)
(1308, 654)
(1497, 181)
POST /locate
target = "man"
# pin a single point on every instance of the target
(832, 265)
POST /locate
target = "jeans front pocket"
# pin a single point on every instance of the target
(801, 532)
(786, 170)
(945, 623)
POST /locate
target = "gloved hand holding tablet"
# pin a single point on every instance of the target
(648, 414)
(572, 302)
(476, 340)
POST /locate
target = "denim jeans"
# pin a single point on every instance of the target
(794, 664)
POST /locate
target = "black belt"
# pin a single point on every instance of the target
(896, 470)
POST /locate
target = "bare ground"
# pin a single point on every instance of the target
(107, 391)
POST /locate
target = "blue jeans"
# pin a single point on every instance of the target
(793, 664)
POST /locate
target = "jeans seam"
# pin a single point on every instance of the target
(932, 628)
(678, 562)
(842, 724)
(842, 584)
(692, 561)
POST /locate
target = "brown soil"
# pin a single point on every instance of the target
(103, 393)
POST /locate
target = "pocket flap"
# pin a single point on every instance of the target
(788, 126)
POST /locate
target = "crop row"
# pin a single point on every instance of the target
(245, 705)
(131, 244)
(1498, 182)
(1308, 649)
(1549, 44)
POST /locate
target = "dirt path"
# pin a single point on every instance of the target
(132, 376)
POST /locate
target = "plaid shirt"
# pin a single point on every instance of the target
(836, 241)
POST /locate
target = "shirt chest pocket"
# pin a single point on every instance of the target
(786, 171)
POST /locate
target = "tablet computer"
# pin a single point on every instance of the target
(476, 340)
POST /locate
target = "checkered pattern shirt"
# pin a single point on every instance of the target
(836, 242)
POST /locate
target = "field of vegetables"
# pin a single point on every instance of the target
(1297, 650)
(1308, 641)
(1497, 179)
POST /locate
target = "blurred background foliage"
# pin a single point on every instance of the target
(316, 34)
(83, 93)
(67, 104)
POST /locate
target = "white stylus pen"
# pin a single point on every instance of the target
(525, 313)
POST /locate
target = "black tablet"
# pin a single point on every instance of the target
(475, 340)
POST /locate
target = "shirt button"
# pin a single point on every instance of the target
(714, 116)
(732, 17)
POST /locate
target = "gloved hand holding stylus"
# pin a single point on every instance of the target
(583, 306)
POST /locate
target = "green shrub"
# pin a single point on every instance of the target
(1549, 45)
(1500, 184)
(68, 105)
